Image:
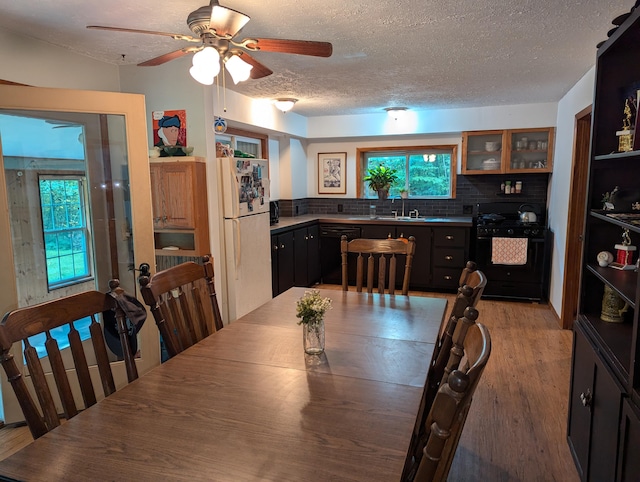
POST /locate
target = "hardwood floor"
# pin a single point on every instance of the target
(516, 428)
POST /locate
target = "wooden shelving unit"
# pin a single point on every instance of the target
(604, 407)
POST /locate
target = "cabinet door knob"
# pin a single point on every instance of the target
(448, 258)
(448, 278)
(311, 236)
(586, 397)
(282, 245)
(306, 238)
(449, 237)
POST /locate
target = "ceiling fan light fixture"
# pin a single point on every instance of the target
(238, 68)
(285, 105)
(206, 65)
(206, 56)
(201, 75)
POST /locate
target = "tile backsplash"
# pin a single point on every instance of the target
(470, 190)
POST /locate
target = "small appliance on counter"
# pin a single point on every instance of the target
(274, 212)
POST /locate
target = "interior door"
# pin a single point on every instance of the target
(75, 204)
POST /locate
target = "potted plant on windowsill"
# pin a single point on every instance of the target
(380, 179)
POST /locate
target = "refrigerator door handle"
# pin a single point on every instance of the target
(237, 254)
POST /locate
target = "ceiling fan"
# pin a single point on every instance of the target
(215, 27)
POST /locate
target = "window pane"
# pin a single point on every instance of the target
(392, 162)
(64, 225)
(430, 175)
(53, 270)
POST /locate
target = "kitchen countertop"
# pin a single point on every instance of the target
(305, 219)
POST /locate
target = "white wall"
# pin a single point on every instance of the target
(577, 99)
(32, 62)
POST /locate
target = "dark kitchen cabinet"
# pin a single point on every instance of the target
(282, 262)
(594, 412)
(449, 256)
(306, 247)
(605, 381)
(629, 462)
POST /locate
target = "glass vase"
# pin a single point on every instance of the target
(313, 337)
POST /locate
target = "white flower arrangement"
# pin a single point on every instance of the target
(312, 307)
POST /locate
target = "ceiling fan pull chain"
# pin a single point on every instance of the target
(224, 90)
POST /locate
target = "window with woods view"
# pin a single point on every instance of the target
(62, 201)
(424, 172)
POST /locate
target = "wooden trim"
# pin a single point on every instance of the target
(8, 82)
(576, 218)
(360, 152)
(264, 139)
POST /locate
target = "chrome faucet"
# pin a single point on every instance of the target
(415, 211)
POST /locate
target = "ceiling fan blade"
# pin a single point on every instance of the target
(164, 58)
(225, 21)
(259, 70)
(177, 36)
(302, 47)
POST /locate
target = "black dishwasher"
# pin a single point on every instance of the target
(330, 258)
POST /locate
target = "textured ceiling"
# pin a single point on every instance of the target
(416, 53)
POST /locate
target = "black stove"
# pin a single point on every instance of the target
(522, 278)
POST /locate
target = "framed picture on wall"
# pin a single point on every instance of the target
(332, 173)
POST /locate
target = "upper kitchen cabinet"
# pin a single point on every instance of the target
(505, 151)
(482, 152)
(529, 150)
(179, 196)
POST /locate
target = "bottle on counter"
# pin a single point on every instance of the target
(372, 211)
(518, 187)
(502, 187)
(507, 187)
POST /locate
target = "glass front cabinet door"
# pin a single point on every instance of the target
(530, 150)
(482, 152)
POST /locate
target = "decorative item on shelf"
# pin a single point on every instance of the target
(625, 136)
(492, 146)
(219, 125)
(605, 258)
(404, 193)
(380, 179)
(624, 253)
(223, 150)
(613, 306)
(608, 199)
(310, 308)
(154, 152)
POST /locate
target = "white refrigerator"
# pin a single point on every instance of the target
(247, 246)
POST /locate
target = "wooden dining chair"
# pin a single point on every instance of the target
(61, 315)
(442, 363)
(449, 411)
(473, 282)
(382, 250)
(176, 298)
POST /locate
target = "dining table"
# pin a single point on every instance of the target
(247, 403)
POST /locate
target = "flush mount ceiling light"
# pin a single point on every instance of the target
(285, 105)
(395, 112)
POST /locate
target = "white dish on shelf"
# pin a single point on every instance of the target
(490, 164)
(171, 248)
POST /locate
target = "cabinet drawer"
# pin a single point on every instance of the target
(449, 258)
(446, 277)
(449, 237)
